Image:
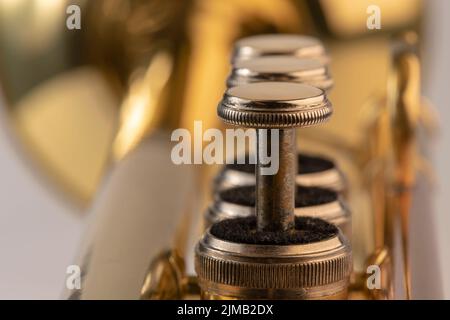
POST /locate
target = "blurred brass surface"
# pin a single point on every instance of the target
(74, 151)
(347, 18)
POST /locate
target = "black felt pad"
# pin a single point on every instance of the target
(304, 196)
(243, 230)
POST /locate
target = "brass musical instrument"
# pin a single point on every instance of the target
(102, 101)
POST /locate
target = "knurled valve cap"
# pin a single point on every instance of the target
(281, 69)
(239, 202)
(274, 105)
(233, 261)
(300, 46)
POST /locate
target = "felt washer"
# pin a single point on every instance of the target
(243, 230)
(238, 202)
(314, 171)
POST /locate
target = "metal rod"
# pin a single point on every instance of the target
(275, 194)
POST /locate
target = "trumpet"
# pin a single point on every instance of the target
(332, 101)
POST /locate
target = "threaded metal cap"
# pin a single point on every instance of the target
(274, 105)
(281, 68)
(305, 271)
(279, 44)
